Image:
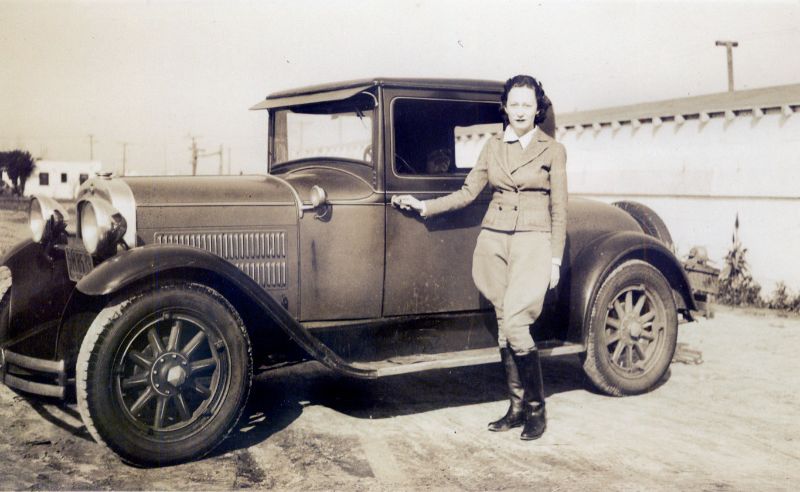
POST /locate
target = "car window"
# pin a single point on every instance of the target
(336, 130)
(435, 137)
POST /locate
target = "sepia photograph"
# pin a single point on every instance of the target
(399, 245)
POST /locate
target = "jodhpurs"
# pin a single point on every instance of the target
(512, 270)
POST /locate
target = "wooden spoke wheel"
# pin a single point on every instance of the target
(633, 330)
(163, 376)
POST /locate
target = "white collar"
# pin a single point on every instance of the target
(511, 136)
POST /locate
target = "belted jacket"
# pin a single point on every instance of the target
(529, 188)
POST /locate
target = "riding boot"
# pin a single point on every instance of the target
(530, 370)
(515, 416)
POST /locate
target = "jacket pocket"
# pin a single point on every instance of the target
(537, 218)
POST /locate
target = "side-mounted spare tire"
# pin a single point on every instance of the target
(648, 220)
(163, 375)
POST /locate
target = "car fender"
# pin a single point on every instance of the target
(132, 267)
(39, 290)
(599, 258)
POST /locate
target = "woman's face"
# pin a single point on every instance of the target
(521, 109)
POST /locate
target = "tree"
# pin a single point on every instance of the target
(19, 166)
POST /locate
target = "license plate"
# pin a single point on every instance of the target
(79, 263)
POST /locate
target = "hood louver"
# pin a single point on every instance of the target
(260, 255)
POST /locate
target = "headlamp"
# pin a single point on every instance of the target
(47, 218)
(101, 225)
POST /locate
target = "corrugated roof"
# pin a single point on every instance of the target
(762, 98)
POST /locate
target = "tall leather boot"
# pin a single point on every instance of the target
(515, 416)
(530, 370)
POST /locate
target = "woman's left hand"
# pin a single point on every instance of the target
(555, 275)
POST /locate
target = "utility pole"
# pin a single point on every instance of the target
(729, 45)
(124, 156)
(91, 147)
(195, 154)
(198, 152)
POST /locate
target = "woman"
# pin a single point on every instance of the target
(519, 249)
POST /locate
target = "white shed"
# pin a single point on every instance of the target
(60, 179)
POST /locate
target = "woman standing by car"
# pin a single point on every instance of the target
(519, 249)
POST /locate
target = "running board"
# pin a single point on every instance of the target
(447, 360)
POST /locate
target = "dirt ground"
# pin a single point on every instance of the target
(729, 423)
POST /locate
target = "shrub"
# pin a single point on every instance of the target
(780, 298)
(794, 305)
(736, 284)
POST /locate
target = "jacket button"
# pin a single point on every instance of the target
(515, 208)
(499, 208)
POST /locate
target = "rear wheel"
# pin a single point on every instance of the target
(164, 375)
(632, 331)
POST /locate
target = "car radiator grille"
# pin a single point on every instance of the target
(260, 255)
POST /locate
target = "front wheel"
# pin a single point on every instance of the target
(163, 376)
(632, 332)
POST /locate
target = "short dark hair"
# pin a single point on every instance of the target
(542, 101)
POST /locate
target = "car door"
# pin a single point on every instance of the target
(327, 146)
(341, 246)
(434, 139)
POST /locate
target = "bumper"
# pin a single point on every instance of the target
(31, 375)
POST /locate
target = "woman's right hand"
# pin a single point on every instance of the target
(408, 202)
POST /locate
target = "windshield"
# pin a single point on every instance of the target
(334, 129)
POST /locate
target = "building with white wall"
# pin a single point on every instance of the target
(698, 162)
(60, 179)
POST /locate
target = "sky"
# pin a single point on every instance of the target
(146, 76)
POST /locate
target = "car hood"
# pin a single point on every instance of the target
(200, 190)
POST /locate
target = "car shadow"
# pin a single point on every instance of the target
(278, 397)
(53, 411)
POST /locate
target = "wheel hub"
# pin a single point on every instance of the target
(170, 371)
(635, 328)
(631, 328)
(176, 376)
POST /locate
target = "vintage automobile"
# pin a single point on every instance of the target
(157, 300)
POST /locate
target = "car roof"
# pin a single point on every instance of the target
(415, 83)
(342, 90)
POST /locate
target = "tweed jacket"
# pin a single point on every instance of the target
(529, 193)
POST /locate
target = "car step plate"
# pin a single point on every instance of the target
(427, 362)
